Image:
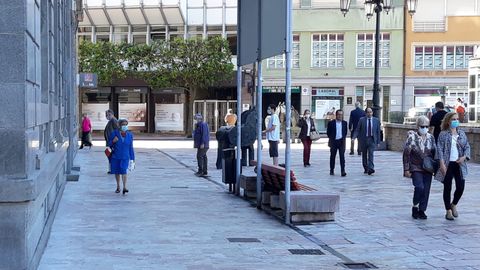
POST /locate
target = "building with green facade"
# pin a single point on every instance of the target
(333, 61)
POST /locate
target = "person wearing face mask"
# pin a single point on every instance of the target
(306, 125)
(123, 157)
(111, 126)
(273, 133)
(201, 139)
(453, 152)
(419, 145)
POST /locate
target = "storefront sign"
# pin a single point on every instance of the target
(326, 92)
(96, 113)
(87, 80)
(280, 89)
(169, 117)
(325, 108)
(135, 113)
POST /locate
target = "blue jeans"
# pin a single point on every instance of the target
(422, 182)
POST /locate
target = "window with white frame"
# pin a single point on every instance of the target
(279, 60)
(366, 50)
(451, 57)
(327, 50)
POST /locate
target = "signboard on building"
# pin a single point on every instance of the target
(169, 117)
(135, 113)
(280, 89)
(87, 80)
(96, 113)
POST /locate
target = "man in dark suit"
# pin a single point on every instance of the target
(368, 134)
(355, 116)
(337, 136)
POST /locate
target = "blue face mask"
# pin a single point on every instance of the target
(124, 128)
(455, 124)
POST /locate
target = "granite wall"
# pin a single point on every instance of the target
(37, 123)
(395, 135)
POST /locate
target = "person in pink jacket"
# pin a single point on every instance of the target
(86, 129)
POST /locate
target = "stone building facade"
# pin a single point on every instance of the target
(37, 122)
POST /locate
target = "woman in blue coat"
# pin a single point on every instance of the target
(123, 156)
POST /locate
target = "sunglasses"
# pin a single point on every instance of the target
(424, 126)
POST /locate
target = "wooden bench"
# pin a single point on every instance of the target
(306, 203)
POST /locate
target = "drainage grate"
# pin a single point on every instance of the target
(179, 187)
(306, 252)
(365, 265)
(243, 240)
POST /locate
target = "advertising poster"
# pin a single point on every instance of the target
(96, 113)
(169, 117)
(135, 113)
(325, 108)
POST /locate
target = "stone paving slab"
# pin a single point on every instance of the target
(374, 223)
(170, 219)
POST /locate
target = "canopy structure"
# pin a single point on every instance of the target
(132, 12)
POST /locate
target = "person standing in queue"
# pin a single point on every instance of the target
(201, 141)
(368, 134)
(337, 137)
(306, 125)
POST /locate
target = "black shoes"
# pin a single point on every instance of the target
(415, 212)
(421, 215)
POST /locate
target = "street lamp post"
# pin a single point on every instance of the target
(377, 6)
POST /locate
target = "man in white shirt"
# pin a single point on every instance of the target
(337, 136)
(273, 133)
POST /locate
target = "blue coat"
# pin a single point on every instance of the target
(123, 148)
(201, 135)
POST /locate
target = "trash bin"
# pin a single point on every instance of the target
(228, 166)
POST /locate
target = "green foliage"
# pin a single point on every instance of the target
(192, 64)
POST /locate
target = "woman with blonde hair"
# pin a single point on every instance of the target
(419, 145)
(453, 150)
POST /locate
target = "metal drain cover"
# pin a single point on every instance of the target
(306, 252)
(365, 265)
(243, 240)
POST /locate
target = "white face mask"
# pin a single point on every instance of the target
(423, 130)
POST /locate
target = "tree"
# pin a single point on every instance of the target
(192, 64)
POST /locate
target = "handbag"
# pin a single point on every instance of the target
(108, 152)
(314, 135)
(430, 165)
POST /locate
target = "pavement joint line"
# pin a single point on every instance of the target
(188, 167)
(303, 233)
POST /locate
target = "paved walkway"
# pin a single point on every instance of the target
(174, 220)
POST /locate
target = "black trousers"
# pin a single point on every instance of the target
(337, 145)
(202, 160)
(453, 171)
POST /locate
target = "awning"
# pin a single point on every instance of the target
(132, 12)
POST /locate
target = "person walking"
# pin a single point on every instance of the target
(273, 133)
(437, 118)
(123, 156)
(337, 137)
(355, 116)
(306, 125)
(453, 152)
(86, 130)
(111, 126)
(419, 145)
(201, 141)
(368, 134)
